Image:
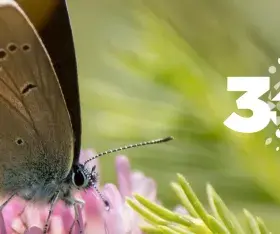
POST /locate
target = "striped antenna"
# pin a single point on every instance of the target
(152, 142)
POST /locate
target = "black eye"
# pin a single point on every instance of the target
(79, 179)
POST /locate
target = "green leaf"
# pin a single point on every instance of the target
(169, 222)
(180, 229)
(167, 230)
(262, 227)
(162, 212)
(151, 230)
(196, 204)
(149, 216)
(184, 199)
(222, 213)
(216, 226)
(252, 222)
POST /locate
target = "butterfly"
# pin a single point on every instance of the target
(40, 120)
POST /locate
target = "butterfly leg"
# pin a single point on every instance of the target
(76, 219)
(6, 202)
(52, 203)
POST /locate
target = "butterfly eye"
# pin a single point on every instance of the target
(3, 54)
(79, 179)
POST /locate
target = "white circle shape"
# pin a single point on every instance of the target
(272, 69)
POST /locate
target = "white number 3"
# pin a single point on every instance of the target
(255, 87)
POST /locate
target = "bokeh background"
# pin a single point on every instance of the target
(153, 68)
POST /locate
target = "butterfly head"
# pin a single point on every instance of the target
(83, 178)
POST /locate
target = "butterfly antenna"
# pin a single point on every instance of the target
(152, 142)
(106, 203)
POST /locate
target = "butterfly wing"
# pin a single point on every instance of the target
(56, 34)
(36, 137)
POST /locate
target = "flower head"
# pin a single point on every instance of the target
(22, 217)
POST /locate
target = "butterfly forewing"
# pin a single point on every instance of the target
(57, 37)
(34, 121)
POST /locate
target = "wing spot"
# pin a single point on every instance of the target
(12, 47)
(19, 141)
(27, 88)
(26, 47)
(3, 54)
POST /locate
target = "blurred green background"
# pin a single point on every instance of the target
(154, 68)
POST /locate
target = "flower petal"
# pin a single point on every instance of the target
(114, 222)
(124, 176)
(66, 213)
(143, 185)
(57, 226)
(93, 213)
(113, 195)
(34, 215)
(180, 210)
(17, 225)
(34, 230)
(2, 224)
(12, 210)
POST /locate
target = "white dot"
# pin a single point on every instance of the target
(268, 141)
(277, 133)
(272, 69)
(277, 148)
(279, 60)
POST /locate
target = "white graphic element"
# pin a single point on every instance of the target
(277, 133)
(255, 87)
(268, 141)
(273, 106)
(263, 112)
(272, 69)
